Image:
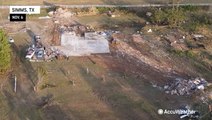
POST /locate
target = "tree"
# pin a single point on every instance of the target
(41, 71)
(5, 53)
(175, 17)
(159, 16)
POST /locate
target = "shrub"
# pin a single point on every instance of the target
(180, 53)
(104, 9)
(172, 17)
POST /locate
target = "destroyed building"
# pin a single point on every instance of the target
(77, 41)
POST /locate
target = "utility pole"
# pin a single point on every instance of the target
(15, 86)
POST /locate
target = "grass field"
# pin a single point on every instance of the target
(105, 92)
(79, 89)
(126, 23)
(40, 2)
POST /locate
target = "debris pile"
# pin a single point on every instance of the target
(62, 13)
(38, 52)
(176, 42)
(78, 29)
(210, 95)
(80, 40)
(198, 37)
(185, 87)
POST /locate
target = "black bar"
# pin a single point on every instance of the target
(17, 17)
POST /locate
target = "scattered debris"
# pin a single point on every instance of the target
(149, 31)
(113, 16)
(45, 17)
(176, 42)
(185, 87)
(149, 14)
(189, 114)
(63, 13)
(70, 40)
(51, 13)
(11, 40)
(210, 95)
(198, 37)
(30, 53)
(147, 23)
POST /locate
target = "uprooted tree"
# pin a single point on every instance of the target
(5, 53)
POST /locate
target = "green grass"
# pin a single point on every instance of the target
(43, 13)
(203, 68)
(90, 90)
(117, 97)
(127, 23)
(180, 53)
(195, 60)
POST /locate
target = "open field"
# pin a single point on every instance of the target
(126, 23)
(87, 2)
(105, 92)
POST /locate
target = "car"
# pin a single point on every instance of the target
(30, 54)
(40, 54)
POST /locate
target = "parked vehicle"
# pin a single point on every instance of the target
(30, 53)
(40, 54)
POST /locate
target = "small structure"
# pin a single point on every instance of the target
(177, 42)
(30, 53)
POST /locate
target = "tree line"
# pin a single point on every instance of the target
(5, 52)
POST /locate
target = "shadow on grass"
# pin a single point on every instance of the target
(50, 110)
(18, 109)
(54, 112)
(117, 101)
(123, 106)
(24, 65)
(137, 78)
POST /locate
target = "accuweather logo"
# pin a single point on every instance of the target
(175, 112)
(160, 111)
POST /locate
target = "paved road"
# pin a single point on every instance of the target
(140, 5)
